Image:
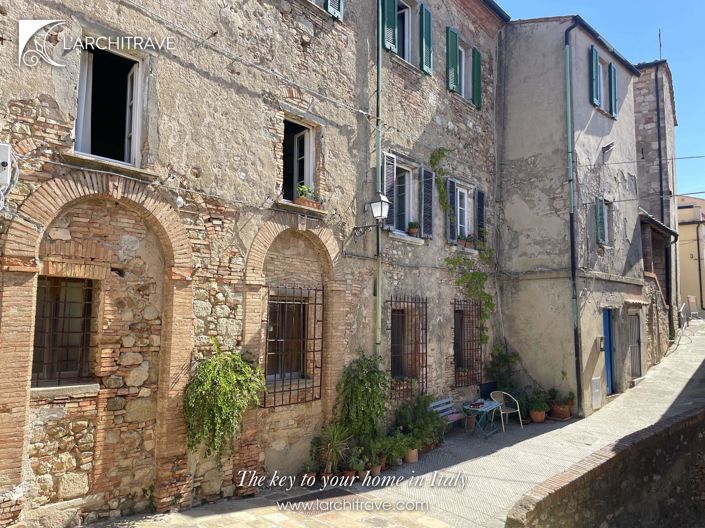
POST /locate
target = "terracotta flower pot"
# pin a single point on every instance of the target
(538, 416)
(376, 470)
(560, 411)
(362, 474)
(569, 403)
(412, 231)
(349, 473)
(412, 456)
(307, 202)
(383, 463)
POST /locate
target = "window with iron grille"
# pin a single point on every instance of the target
(62, 331)
(408, 351)
(467, 342)
(294, 348)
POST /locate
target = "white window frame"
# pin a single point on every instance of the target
(468, 203)
(82, 131)
(464, 69)
(408, 198)
(309, 153)
(403, 6)
(604, 81)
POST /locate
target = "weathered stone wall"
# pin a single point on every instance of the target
(169, 277)
(660, 472)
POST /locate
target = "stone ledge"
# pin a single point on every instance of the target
(93, 162)
(403, 237)
(86, 389)
(291, 207)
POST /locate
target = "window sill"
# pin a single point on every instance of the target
(396, 59)
(403, 237)
(286, 205)
(464, 100)
(604, 112)
(471, 251)
(62, 391)
(92, 162)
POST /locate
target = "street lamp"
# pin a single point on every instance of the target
(380, 208)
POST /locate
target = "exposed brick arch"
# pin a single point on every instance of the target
(18, 284)
(47, 203)
(321, 236)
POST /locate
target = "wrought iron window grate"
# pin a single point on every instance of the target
(408, 330)
(294, 345)
(467, 342)
(62, 333)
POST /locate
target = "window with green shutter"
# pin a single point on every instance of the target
(452, 60)
(336, 8)
(613, 90)
(426, 40)
(601, 221)
(476, 78)
(595, 76)
(390, 25)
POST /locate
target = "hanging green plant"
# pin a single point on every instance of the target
(362, 397)
(222, 387)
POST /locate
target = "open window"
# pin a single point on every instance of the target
(466, 218)
(404, 31)
(409, 189)
(603, 221)
(108, 122)
(298, 158)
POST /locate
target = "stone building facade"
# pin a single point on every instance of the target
(133, 237)
(571, 285)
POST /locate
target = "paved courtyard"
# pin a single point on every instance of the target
(495, 472)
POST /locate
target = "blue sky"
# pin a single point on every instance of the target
(632, 27)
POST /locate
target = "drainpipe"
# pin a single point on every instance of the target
(378, 155)
(667, 249)
(700, 271)
(571, 200)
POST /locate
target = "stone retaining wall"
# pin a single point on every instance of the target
(651, 478)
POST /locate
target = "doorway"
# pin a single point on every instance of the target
(609, 340)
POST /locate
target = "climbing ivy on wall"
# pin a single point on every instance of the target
(470, 274)
(221, 388)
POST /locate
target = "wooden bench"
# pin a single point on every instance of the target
(446, 408)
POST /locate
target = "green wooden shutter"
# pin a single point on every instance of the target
(613, 90)
(480, 215)
(476, 78)
(452, 73)
(390, 25)
(594, 76)
(426, 40)
(452, 215)
(600, 220)
(390, 176)
(427, 185)
(335, 8)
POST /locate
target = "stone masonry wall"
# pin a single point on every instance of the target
(660, 472)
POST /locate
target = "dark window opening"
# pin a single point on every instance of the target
(108, 112)
(294, 345)
(402, 19)
(62, 331)
(408, 353)
(295, 158)
(467, 343)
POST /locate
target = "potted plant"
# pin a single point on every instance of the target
(559, 406)
(461, 241)
(412, 449)
(570, 400)
(375, 465)
(307, 197)
(397, 448)
(538, 406)
(335, 443)
(412, 229)
(358, 466)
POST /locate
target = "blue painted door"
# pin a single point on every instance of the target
(607, 323)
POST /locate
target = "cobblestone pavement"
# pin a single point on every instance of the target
(497, 471)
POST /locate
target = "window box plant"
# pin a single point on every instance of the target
(412, 229)
(461, 241)
(307, 197)
(538, 406)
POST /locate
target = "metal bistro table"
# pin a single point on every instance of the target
(484, 416)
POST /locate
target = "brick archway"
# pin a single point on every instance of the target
(321, 236)
(20, 267)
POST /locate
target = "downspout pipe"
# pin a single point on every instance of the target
(700, 265)
(667, 249)
(571, 201)
(378, 180)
